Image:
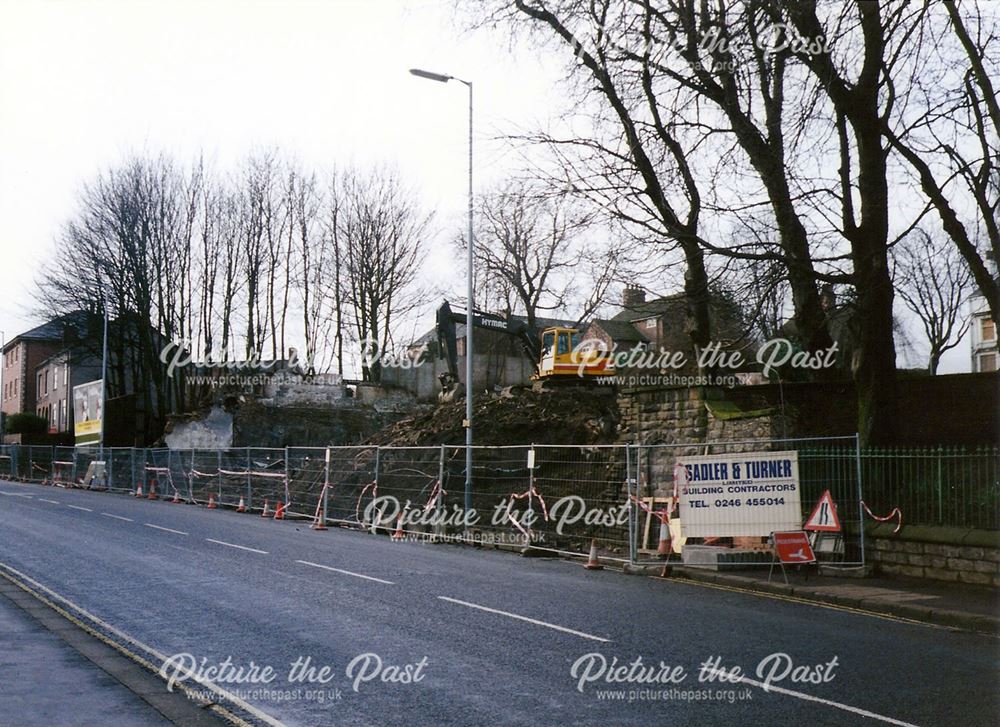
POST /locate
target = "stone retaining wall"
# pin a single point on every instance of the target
(936, 553)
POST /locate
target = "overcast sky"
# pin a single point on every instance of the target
(85, 82)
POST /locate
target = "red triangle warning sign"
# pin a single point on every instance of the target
(824, 516)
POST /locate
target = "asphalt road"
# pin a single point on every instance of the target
(492, 637)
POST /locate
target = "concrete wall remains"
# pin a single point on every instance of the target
(489, 372)
(214, 431)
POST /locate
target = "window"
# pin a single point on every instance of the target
(63, 416)
(55, 378)
(987, 362)
(66, 375)
(548, 341)
(563, 343)
(650, 323)
(988, 329)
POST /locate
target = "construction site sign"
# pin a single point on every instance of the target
(739, 494)
(793, 547)
(87, 413)
(824, 516)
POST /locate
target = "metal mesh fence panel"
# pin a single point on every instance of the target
(266, 478)
(588, 498)
(158, 474)
(62, 470)
(121, 464)
(38, 463)
(200, 468)
(87, 470)
(306, 478)
(405, 480)
(8, 461)
(506, 505)
(351, 477)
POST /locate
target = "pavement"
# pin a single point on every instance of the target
(412, 633)
(54, 673)
(956, 605)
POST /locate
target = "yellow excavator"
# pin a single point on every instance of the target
(557, 352)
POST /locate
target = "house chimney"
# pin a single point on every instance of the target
(633, 297)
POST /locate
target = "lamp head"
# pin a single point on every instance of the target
(440, 77)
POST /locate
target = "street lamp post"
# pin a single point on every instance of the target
(104, 381)
(3, 392)
(444, 78)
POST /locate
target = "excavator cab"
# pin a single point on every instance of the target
(563, 359)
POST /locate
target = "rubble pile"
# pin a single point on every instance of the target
(571, 415)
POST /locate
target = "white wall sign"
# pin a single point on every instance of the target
(745, 494)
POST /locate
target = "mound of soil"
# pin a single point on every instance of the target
(572, 415)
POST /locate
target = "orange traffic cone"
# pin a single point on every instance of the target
(398, 535)
(138, 489)
(152, 490)
(592, 563)
(663, 547)
(318, 524)
(177, 498)
(279, 511)
(242, 506)
(211, 502)
(265, 512)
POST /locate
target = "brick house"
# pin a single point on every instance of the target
(21, 356)
(659, 324)
(985, 346)
(55, 378)
(616, 335)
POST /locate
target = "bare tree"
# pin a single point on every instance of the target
(380, 237)
(947, 126)
(933, 281)
(128, 249)
(312, 271)
(534, 253)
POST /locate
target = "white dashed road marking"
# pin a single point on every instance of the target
(118, 517)
(525, 618)
(233, 545)
(346, 572)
